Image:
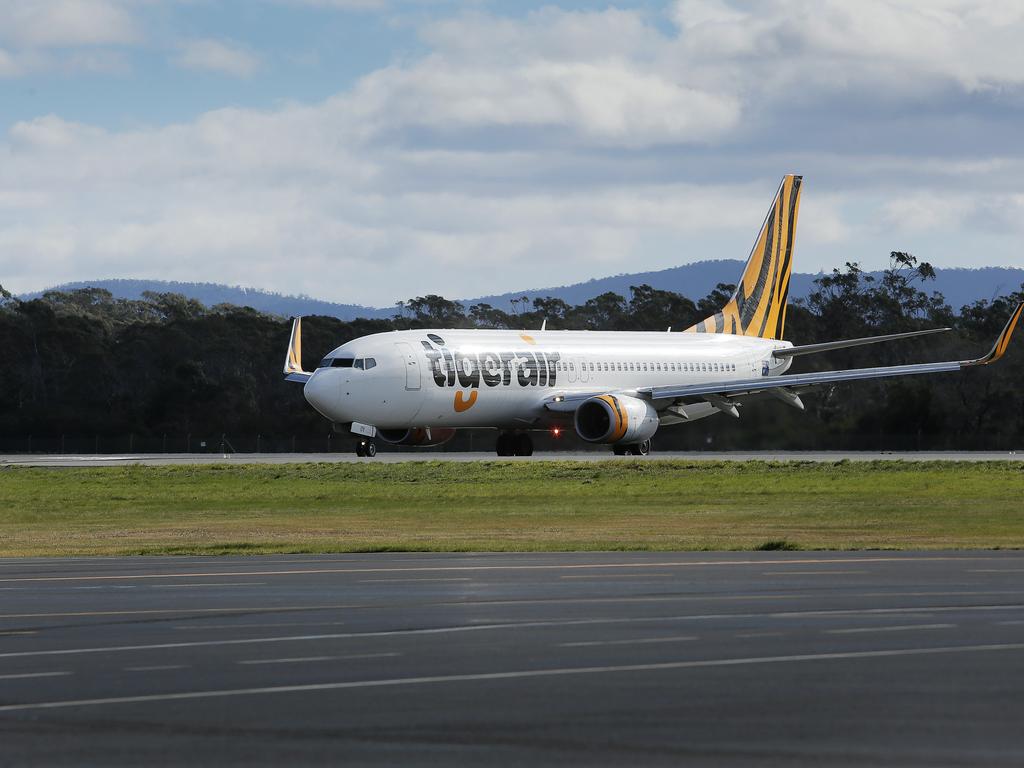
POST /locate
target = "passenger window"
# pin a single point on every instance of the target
(572, 367)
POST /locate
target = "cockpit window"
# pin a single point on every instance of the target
(341, 362)
(370, 363)
(358, 363)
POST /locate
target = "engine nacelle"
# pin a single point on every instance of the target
(616, 419)
(424, 437)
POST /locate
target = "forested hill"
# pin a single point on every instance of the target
(85, 371)
(959, 287)
(212, 294)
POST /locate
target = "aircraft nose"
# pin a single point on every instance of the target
(318, 393)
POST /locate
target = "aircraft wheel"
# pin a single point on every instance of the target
(504, 446)
(642, 449)
(360, 448)
(524, 444)
(371, 448)
(620, 450)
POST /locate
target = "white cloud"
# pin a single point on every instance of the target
(547, 149)
(611, 102)
(52, 23)
(889, 44)
(223, 56)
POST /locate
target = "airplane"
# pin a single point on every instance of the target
(617, 388)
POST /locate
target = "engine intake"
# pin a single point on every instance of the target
(616, 419)
(424, 437)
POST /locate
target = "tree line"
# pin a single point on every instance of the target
(84, 363)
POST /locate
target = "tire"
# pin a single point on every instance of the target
(642, 449)
(620, 450)
(371, 449)
(360, 448)
(524, 444)
(503, 447)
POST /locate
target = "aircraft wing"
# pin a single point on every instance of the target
(742, 387)
(720, 393)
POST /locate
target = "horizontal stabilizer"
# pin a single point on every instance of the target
(828, 346)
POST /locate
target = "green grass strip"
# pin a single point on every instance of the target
(510, 506)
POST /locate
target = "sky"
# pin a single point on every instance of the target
(370, 151)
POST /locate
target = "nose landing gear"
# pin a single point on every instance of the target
(514, 444)
(366, 448)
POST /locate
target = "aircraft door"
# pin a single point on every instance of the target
(412, 365)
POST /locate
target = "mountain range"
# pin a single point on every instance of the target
(959, 285)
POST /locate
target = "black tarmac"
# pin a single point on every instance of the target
(738, 659)
(389, 456)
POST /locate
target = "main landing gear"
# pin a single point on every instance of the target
(636, 449)
(514, 444)
(366, 448)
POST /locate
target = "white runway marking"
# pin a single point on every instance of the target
(798, 615)
(290, 624)
(156, 668)
(809, 573)
(532, 567)
(25, 675)
(618, 576)
(211, 584)
(300, 659)
(902, 628)
(512, 675)
(410, 581)
(639, 641)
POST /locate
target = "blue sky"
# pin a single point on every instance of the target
(372, 150)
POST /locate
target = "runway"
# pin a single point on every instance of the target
(389, 457)
(733, 659)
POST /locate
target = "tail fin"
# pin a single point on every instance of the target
(758, 308)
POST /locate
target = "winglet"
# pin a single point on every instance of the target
(293, 361)
(999, 348)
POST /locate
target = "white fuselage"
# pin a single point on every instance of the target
(489, 378)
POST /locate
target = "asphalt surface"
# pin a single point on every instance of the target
(737, 659)
(160, 459)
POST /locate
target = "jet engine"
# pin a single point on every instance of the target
(616, 419)
(424, 437)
